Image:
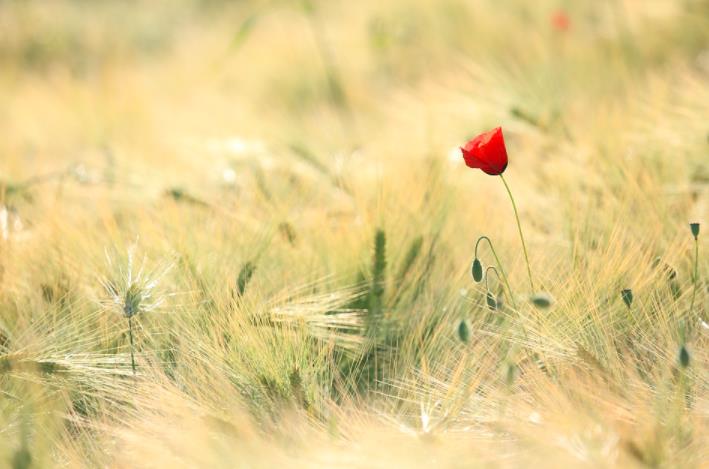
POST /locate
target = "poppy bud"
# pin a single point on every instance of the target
(627, 296)
(477, 270)
(695, 229)
(683, 357)
(463, 331)
(541, 300)
(491, 301)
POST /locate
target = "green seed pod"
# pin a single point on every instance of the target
(541, 300)
(463, 331)
(491, 301)
(683, 357)
(627, 296)
(477, 270)
(695, 229)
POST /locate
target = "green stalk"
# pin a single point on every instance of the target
(499, 266)
(487, 276)
(504, 279)
(521, 236)
(130, 334)
(696, 273)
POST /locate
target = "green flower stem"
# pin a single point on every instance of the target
(502, 274)
(130, 334)
(487, 286)
(696, 273)
(521, 236)
(499, 266)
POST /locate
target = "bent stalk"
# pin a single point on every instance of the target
(499, 266)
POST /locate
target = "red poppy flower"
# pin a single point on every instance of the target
(487, 152)
(560, 21)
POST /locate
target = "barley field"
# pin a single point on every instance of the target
(241, 234)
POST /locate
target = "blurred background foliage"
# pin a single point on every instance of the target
(291, 169)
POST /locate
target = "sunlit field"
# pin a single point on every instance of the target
(243, 234)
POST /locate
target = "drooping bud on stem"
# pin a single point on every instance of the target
(491, 300)
(477, 270)
(501, 274)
